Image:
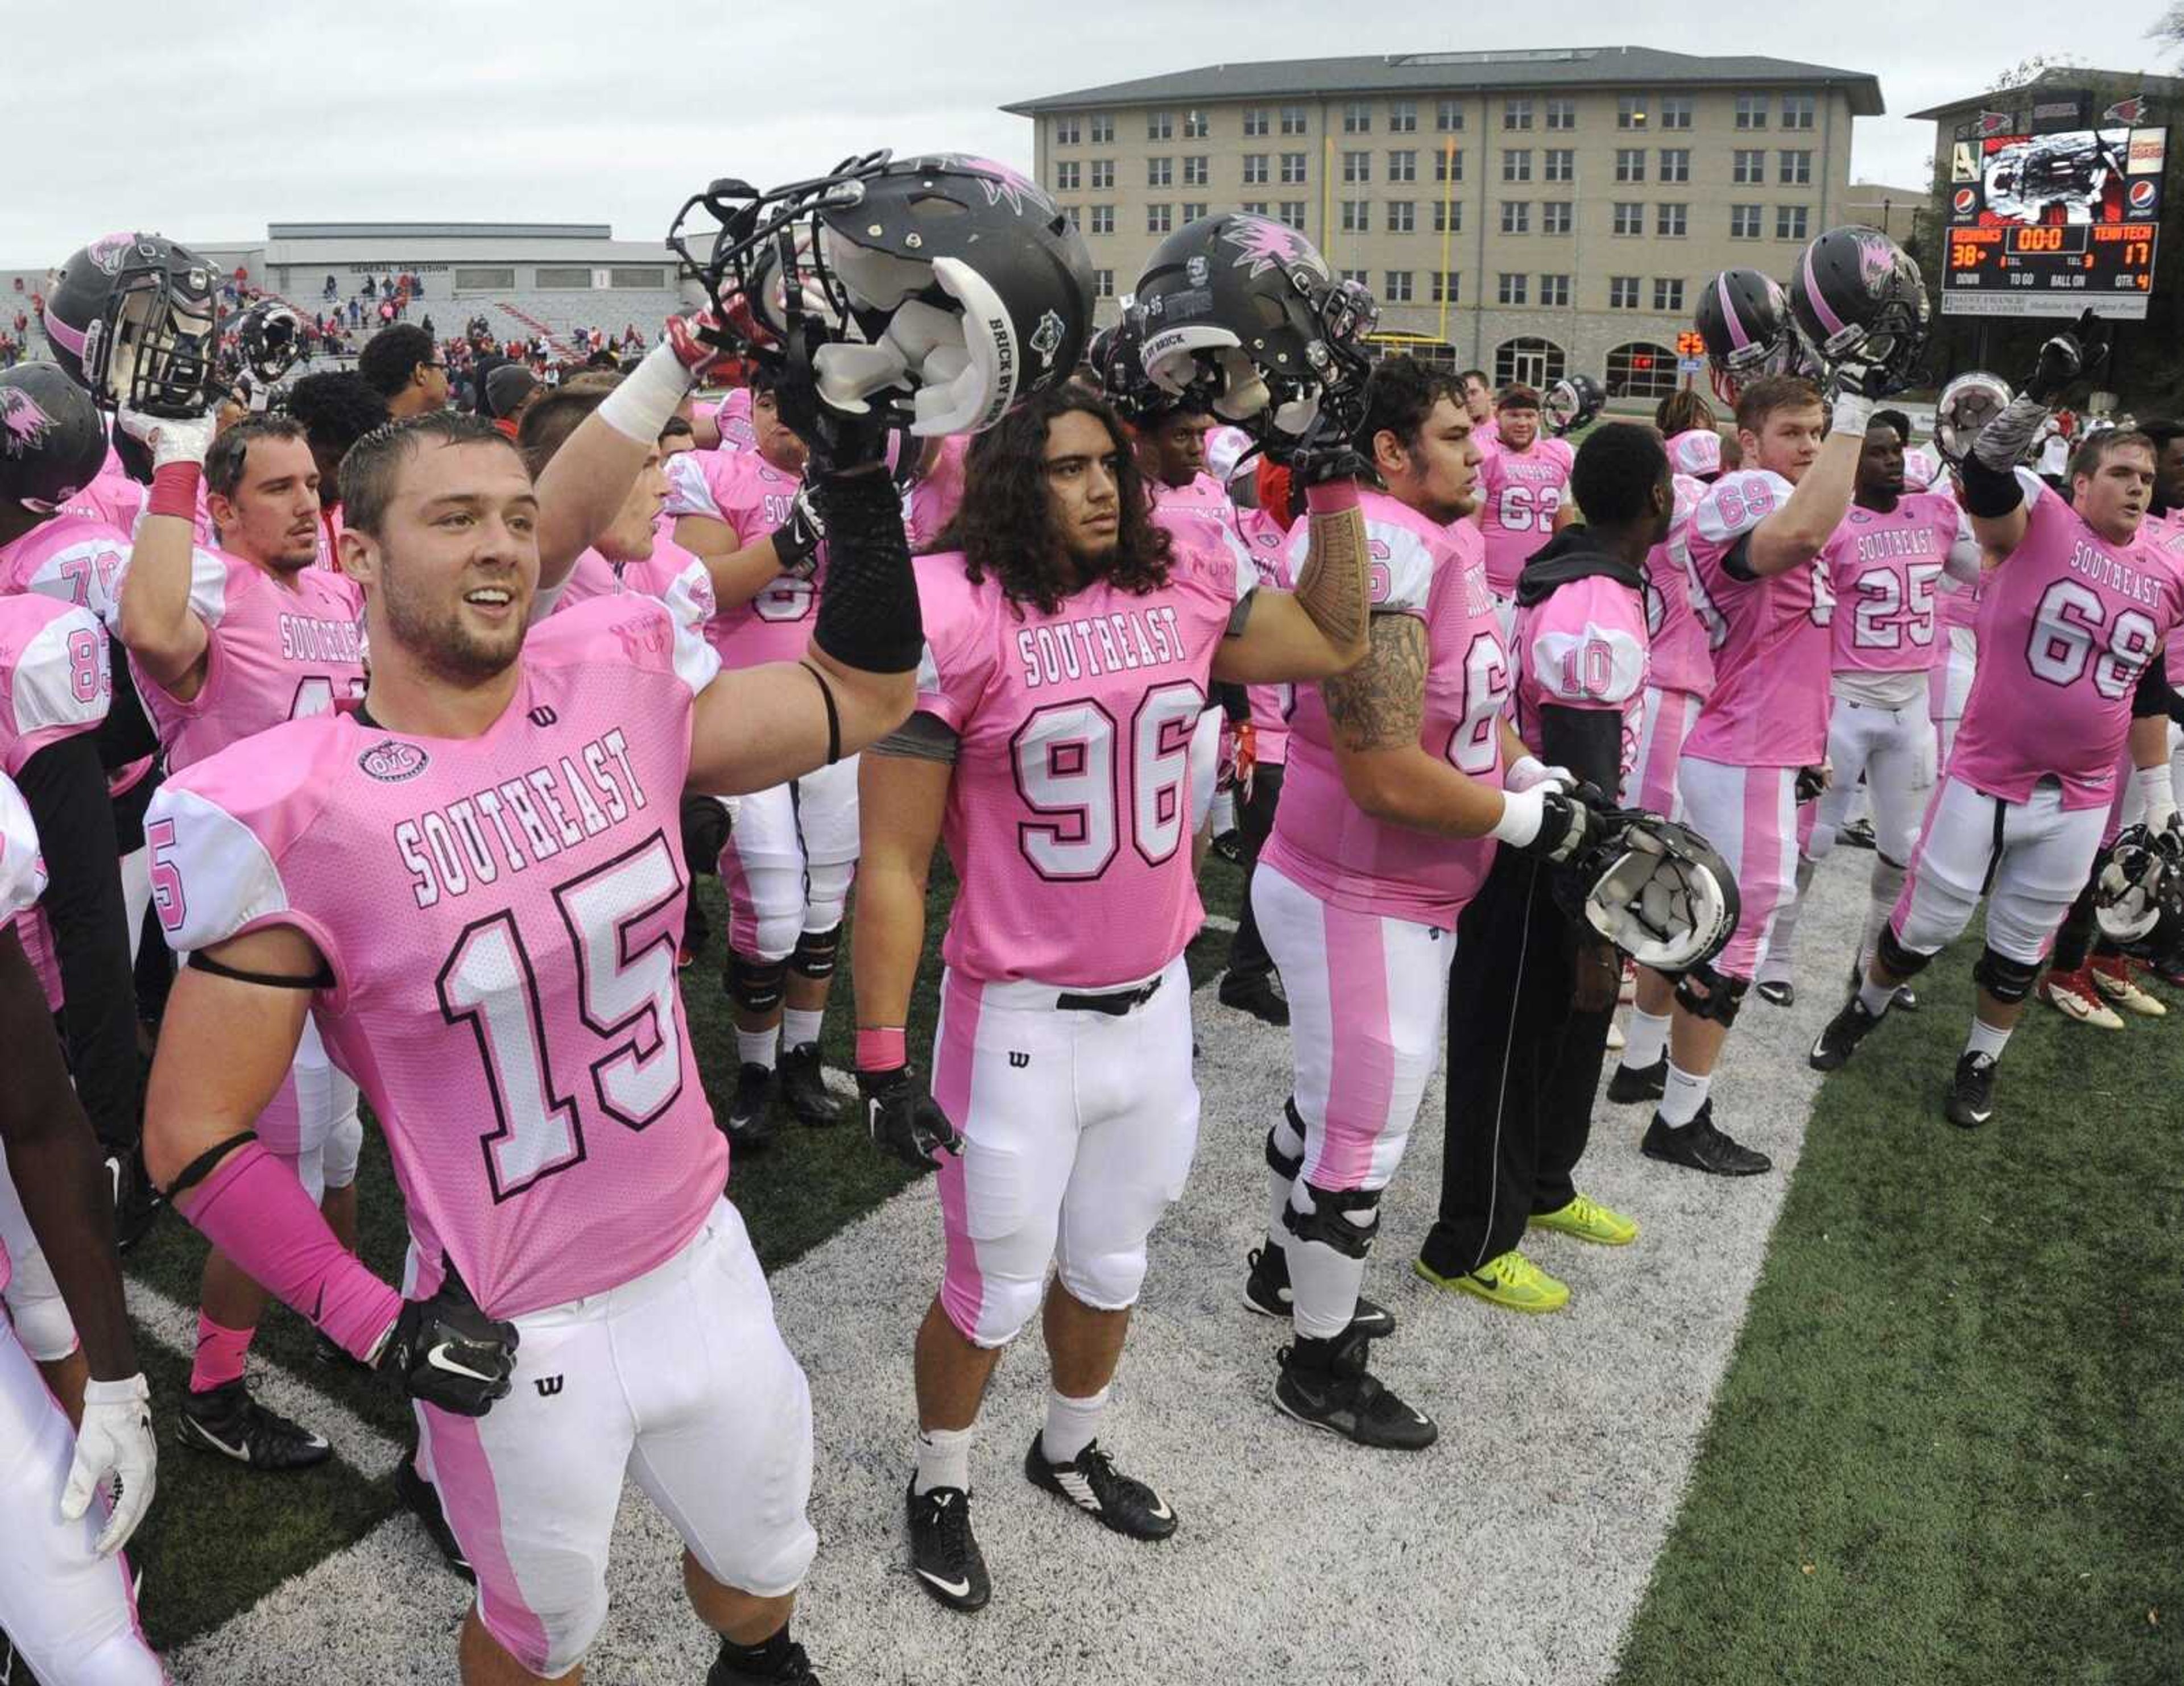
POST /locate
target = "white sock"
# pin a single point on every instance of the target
(1071, 1424)
(798, 1026)
(944, 1459)
(1875, 997)
(1986, 1039)
(1886, 886)
(1291, 1145)
(758, 1048)
(1683, 1096)
(1644, 1039)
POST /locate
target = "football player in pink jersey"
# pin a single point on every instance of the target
(227, 645)
(1521, 502)
(2070, 678)
(67, 1601)
(1478, 405)
(788, 862)
(1884, 565)
(1070, 644)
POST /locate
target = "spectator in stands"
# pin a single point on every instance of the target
(509, 391)
(332, 288)
(355, 315)
(426, 324)
(406, 370)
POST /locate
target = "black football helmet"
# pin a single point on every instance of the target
(1655, 888)
(1242, 314)
(2130, 888)
(1117, 357)
(1966, 405)
(1571, 403)
(939, 290)
(51, 441)
(269, 339)
(1855, 292)
(131, 317)
(1744, 320)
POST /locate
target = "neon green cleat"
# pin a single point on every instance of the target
(1585, 1220)
(1511, 1281)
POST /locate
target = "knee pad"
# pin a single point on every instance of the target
(1899, 960)
(41, 1316)
(1706, 993)
(754, 986)
(1107, 1282)
(1344, 1219)
(2004, 978)
(704, 831)
(344, 1147)
(815, 953)
(1286, 1165)
(827, 893)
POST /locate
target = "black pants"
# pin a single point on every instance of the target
(1255, 822)
(1523, 1064)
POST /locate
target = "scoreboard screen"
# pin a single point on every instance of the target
(2053, 211)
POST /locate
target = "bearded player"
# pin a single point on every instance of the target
(2069, 680)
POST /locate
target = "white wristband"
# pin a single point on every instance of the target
(647, 397)
(1852, 411)
(1522, 811)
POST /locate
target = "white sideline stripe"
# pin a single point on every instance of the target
(1566, 1441)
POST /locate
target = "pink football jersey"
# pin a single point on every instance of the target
(1322, 839)
(1487, 435)
(22, 882)
(1677, 655)
(2067, 623)
(1268, 543)
(1582, 647)
(671, 574)
(73, 557)
(277, 648)
(500, 914)
(732, 416)
(937, 494)
(1885, 569)
(119, 501)
(1204, 496)
(752, 496)
(1518, 494)
(1068, 816)
(1770, 636)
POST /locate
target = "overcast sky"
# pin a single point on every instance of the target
(603, 110)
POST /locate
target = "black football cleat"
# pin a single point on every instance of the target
(229, 1422)
(791, 1668)
(1091, 1483)
(1258, 994)
(1267, 1291)
(1632, 1085)
(1326, 1384)
(1777, 992)
(1856, 833)
(944, 1552)
(803, 1086)
(747, 1125)
(1971, 1093)
(1839, 1037)
(1698, 1146)
(422, 1500)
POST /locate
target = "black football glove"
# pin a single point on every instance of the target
(2076, 351)
(905, 1119)
(1568, 819)
(1323, 452)
(1811, 782)
(797, 540)
(447, 1352)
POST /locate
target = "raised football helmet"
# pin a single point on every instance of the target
(1657, 890)
(1967, 404)
(1117, 355)
(1744, 320)
(1571, 403)
(51, 442)
(131, 317)
(2129, 889)
(1242, 314)
(1856, 294)
(938, 291)
(269, 340)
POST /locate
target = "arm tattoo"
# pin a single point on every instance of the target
(1379, 704)
(1333, 588)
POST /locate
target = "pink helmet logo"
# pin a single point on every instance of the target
(2142, 196)
(24, 424)
(1001, 183)
(1964, 201)
(1876, 260)
(1263, 244)
(108, 250)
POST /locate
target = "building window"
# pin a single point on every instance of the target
(1403, 117)
(1292, 213)
(1357, 275)
(1254, 207)
(1356, 117)
(1630, 163)
(1448, 164)
(1293, 120)
(481, 280)
(1255, 120)
(1448, 116)
(1065, 176)
(1067, 131)
(1103, 219)
(1403, 166)
(1510, 289)
(572, 279)
(1195, 172)
(1631, 111)
(1255, 169)
(1357, 167)
(1103, 128)
(1447, 287)
(1160, 125)
(1402, 217)
(1675, 111)
(1797, 110)
(1357, 216)
(1629, 217)
(1555, 217)
(1293, 166)
(1744, 222)
(1516, 164)
(1623, 292)
(1103, 172)
(1516, 114)
(1668, 296)
(1794, 170)
(1751, 111)
(1398, 288)
(1528, 361)
(1560, 164)
(1790, 222)
(1160, 172)
(638, 277)
(1670, 221)
(1448, 216)
(1639, 370)
(1675, 164)
(1516, 216)
(1747, 167)
(1160, 219)
(1555, 291)
(1193, 209)
(1195, 126)
(1562, 113)
(1103, 283)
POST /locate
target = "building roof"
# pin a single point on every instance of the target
(1642, 67)
(439, 230)
(2058, 77)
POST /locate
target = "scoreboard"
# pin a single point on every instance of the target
(2054, 210)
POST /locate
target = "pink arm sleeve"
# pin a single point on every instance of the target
(257, 1213)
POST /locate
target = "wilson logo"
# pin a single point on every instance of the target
(548, 1386)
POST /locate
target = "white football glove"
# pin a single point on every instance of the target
(183, 439)
(1528, 771)
(114, 1445)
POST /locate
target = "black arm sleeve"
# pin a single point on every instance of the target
(65, 789)
(868, 613)
(1736, 561)
(1588, 742)
(2155, 695)
(1989, 493)
(1233, 701)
